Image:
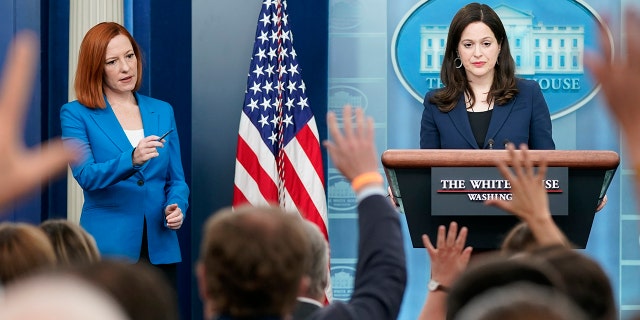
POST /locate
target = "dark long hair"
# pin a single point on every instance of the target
(455, 80)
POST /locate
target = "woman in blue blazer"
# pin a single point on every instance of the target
(135, 195)
(482, 104)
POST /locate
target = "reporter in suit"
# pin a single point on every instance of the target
(482, 104)
(135, 195)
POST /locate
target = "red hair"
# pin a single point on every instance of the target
(91, 60)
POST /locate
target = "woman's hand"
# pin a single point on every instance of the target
(173, 215)
(146, 150)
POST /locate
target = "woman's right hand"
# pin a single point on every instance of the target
(146, 149)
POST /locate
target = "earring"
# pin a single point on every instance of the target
(458, 66)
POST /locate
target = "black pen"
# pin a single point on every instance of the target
(165, 134)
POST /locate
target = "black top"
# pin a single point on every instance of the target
(480, 125)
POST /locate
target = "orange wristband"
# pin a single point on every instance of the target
(365, 178)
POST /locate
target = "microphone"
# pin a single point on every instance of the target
(491, 142)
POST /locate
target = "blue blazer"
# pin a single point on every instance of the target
(524, 119)
(119, 196)
(381, 272)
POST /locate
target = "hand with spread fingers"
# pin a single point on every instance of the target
(448, 260)
(353, 150)
(23, 169)
(619, 76)
(619, 79)
(450, 257)
(530, 201)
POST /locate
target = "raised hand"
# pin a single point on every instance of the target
(353, 150)
(530, 201)
(22, 169)
(450, 257)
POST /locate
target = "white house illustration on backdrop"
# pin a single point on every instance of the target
(535, 48)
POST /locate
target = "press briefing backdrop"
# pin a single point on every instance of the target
(379, 58)
(384, 55)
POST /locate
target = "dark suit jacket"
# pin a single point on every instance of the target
(524, 119)
(303, 310)
(381, 272)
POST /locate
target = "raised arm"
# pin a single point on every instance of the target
(448, 260)
(619, 78)
(530, 201)
(22, 169)
(381, 273)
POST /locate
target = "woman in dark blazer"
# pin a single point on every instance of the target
(135, 195)
(482, 104)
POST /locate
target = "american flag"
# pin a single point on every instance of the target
(279, 158)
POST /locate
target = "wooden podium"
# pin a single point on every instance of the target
(409, 175)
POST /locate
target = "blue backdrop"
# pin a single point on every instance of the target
(375, 51)
(197, 57)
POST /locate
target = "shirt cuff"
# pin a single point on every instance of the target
(370, 191)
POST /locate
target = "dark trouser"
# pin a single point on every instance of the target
(169, 270)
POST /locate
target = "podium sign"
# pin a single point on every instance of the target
(462, 191)
(410, 174)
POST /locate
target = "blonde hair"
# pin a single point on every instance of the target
(71, 243)
(24, 249)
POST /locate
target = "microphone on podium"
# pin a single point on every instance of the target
(490, 142)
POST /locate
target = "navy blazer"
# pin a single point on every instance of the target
(119, 196)
(381, 273)
(524, 119)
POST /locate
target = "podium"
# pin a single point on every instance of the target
(409, 173)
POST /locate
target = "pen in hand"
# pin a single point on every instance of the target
(165, 134)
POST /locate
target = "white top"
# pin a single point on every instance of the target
(134, 136)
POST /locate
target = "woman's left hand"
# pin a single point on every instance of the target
(173, 215)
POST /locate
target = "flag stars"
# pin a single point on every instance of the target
(282, 70)
(273, 36)
(276, 103)
(275, 121)
(266, 103)
(258, 70)
(275, 90)
(269, 70)
(288, 120)
(263, 37)
(273, 138)
(285, 36)
(253, 104)
(289, 103)
(272, 53)
(268, 86)
(268, 3)
(293, 69)
(265, 20)
(255, 88)
(291, 87)
(283, 53)
(264, 121)
(261, 54)
(302, 103)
